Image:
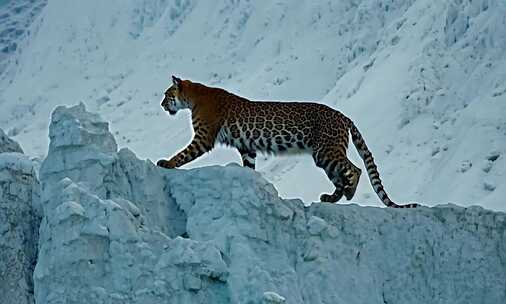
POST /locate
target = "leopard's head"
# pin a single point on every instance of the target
(174, 99)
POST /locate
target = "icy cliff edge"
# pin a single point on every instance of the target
(19, 223)
(117, 229)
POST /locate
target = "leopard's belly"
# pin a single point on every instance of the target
(276, 141)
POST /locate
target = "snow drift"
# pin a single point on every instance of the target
(117, 229)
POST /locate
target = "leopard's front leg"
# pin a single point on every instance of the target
(201, 143)
(194, 150)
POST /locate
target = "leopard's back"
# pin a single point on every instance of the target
(279, 127)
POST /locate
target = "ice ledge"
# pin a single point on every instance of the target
(119, 229)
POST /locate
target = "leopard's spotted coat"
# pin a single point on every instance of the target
(273, 127)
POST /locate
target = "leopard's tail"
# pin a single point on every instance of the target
(372, 169)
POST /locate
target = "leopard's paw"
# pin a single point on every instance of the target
(166, 164)
(328, 198)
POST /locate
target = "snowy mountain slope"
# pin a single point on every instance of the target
(16, 17)
(424, 81)
(112, 227)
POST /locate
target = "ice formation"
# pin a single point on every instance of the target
(19, 223)
(117, 229)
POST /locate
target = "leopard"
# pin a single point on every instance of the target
(273, 127)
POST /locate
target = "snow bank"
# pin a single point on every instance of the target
(117, 229)
(19, 223)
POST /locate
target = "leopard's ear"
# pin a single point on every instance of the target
(176, 81)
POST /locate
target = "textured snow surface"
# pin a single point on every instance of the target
(7, 144)
(16, 18)
(117, 229)
(19, 224)
(424, 80)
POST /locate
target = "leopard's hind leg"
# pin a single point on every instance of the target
(341, 172)
(352, 176)
(336, 195)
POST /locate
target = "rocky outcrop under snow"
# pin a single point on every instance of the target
(117, 229)
(7, 144)
(19, 223)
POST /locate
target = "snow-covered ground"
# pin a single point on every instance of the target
(424, 80)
